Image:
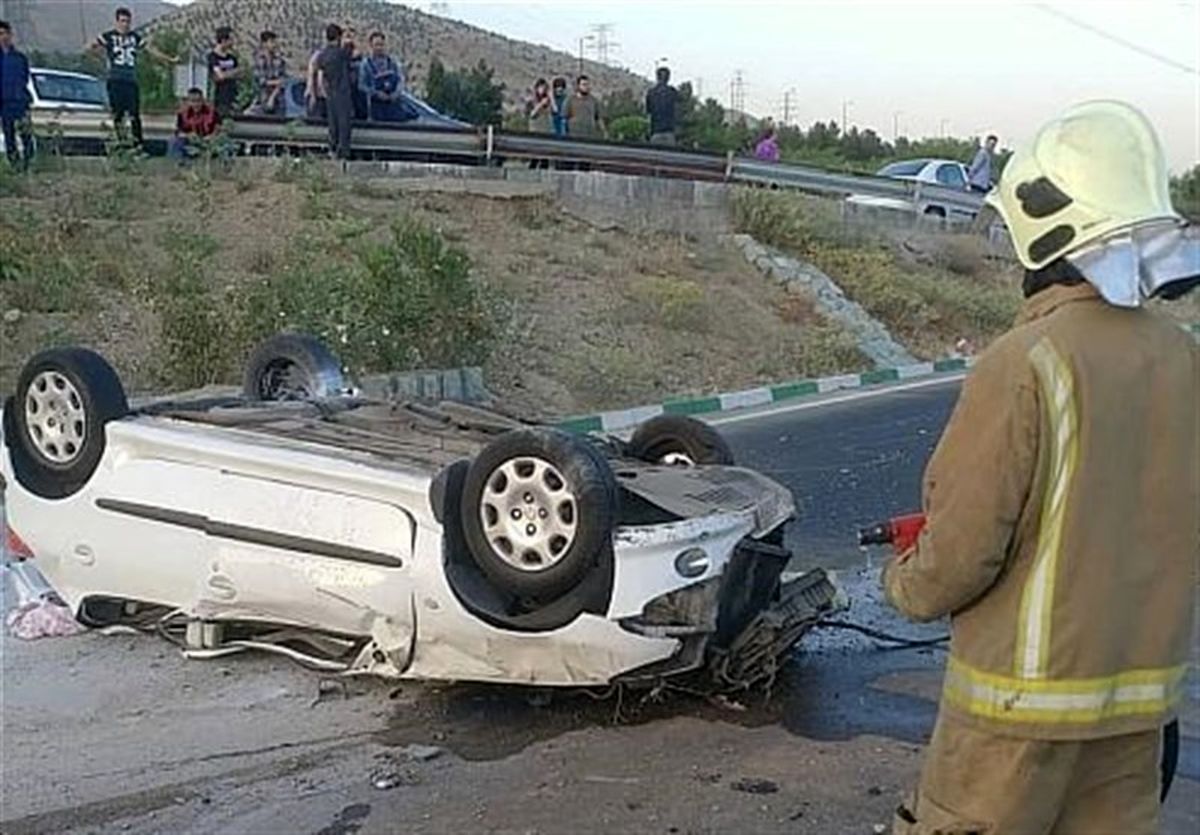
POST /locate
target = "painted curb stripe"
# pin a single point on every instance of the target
(701, 406)
(618, 420)
(746, 399)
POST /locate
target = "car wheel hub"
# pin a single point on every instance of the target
(55, 417)
(529, 513)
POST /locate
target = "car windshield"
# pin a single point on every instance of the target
(53, 87)
(909, 168)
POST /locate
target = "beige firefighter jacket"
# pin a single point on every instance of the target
(1063, 531)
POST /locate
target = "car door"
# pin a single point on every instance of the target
(296, 553)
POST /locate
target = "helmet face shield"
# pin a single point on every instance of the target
(1142, 262)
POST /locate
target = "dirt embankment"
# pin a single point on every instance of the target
(165, 274)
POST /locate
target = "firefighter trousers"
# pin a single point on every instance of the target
(977, 783)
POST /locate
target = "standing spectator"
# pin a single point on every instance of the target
(767, 148)
(314, 97)
(382, 80)
(333, 79)
(979, 175)
(559, 97)
(224, 70)
(660, 107)
(14, 99)
(540, 109)
(270, 76)
(358, 96)
(583, 111)
(121, 46)
(196, 120)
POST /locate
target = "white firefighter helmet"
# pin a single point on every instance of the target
(1092, 187)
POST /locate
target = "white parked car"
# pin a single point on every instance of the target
(396, 538)
(61, 91)
(946, 173)
(69, 91)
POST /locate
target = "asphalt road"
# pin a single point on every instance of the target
(848, 460)
(119, 734)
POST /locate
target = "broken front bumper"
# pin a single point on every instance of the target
(737, 628)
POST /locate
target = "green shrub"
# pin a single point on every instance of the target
(629, 129)
(40, 270)
(198, 324)
(785, 219)
(407, 302)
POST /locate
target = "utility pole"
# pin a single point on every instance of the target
(896, 114)
(583, 39)
(846, 104)
(787, 106)
(737, 93)
(942, 127)
(601, 32)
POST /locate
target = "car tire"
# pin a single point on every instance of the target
(679, 439)
(293, 366)
(54, 424)
(538, 510)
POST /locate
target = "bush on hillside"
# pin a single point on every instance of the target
(407, 302)
(468, 94)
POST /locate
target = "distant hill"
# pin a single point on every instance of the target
(66, 25)
(414, 36)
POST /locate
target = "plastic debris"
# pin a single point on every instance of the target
(44, 618)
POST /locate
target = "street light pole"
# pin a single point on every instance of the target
(846, 103)
(896, 114)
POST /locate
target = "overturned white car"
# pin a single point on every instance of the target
(398, 538)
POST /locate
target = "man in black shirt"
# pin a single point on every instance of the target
(334, 76)
(225, 72)
(660, 106)
(121, 46)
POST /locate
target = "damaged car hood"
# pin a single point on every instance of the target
(691, 492)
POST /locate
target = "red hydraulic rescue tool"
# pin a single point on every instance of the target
(900, 532)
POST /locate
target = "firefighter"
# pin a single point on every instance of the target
(1063, 505)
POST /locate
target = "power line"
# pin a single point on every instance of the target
(1117, 39)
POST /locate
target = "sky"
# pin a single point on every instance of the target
(959, 67)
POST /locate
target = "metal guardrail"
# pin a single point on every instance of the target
(489, 146)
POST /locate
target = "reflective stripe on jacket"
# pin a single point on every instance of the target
(1063, 532)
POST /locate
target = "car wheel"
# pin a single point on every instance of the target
(54, 424)
(293, 366)
(935, 211)
(679, 440)
(538, 509)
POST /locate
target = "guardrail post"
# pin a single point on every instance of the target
(491, 144)
(728, 165)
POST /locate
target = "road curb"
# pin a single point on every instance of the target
(617, 420)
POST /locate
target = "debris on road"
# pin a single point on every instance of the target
(42, 619)
(385, 780)
(754, 785)
(422, 753)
